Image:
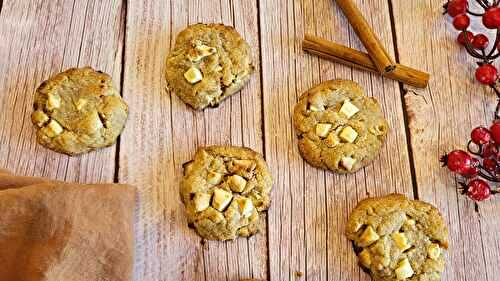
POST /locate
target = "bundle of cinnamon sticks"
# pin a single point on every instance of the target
(377, 60)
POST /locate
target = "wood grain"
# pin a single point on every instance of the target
(39, 39)
(440, 119)
(170, 132)
(307, 218)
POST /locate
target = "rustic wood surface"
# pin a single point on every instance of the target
(302, 235)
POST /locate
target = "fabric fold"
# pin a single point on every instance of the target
(57, 231)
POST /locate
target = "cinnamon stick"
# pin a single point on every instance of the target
(376, 50)
(351, 57)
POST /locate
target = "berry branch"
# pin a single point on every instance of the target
(479, 166)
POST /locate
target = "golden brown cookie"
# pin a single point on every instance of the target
(339, 128)
(208, 63)
(398, 239)
(224, 189)
(77, 111)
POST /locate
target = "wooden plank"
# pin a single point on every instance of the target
(163, 133)
(307, 219)
(39, 39)
(440, 120)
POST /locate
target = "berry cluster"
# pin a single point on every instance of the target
(480, 165)
(476, 44)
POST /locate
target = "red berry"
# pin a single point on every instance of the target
(461, 37)
(456, 7)
(486, 74)
(473, 170)
(490, 164)
(495, 132)
(480, 42)
(478, 190)
(461, 22)
(458, 161)
(491, 18)
(480, 135)
(490, 150)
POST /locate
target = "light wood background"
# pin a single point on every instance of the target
(303, 229)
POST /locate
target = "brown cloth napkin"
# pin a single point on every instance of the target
(56, 231)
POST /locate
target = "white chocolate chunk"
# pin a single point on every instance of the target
(348, 109)
(53, 101)
(205, 50)
(214, 178)
(40, 118)
(434, 251)
(322, 129)
(93, 123)
(404, 270)
(80, 103)
(200, 52)
(410, 222)
(215, 216)
(246, 206)
(237, 183)
(358, 226)
(221, 199)
(401, 241)
(348, 134)
(53, 129)
(193, 75)
(316, 108)
(244, 164)
(365, 258)
(201, 201)
(368, 237)
(348, 162)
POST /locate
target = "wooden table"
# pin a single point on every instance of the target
(131, 39)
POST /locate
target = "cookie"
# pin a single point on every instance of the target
(208, 63)
(77, 111)
(339, 128)
(225, 189)
(398, 239)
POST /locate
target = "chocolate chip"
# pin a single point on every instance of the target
(356, 249)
